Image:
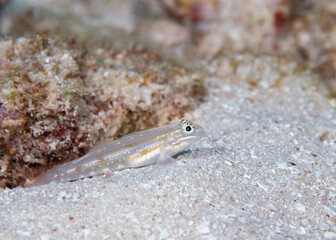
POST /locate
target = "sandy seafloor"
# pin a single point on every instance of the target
(266, 170)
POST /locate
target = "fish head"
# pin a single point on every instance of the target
(187, 134)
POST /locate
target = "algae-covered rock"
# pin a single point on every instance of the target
(55, 102)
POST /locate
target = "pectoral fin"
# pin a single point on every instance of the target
(164, 159)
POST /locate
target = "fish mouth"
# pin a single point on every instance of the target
(200, 131)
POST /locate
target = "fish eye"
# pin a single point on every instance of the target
(188, 128)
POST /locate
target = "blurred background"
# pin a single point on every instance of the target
(300, 29)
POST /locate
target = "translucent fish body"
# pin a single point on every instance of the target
(134, 150)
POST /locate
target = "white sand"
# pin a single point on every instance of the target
(262, 173)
